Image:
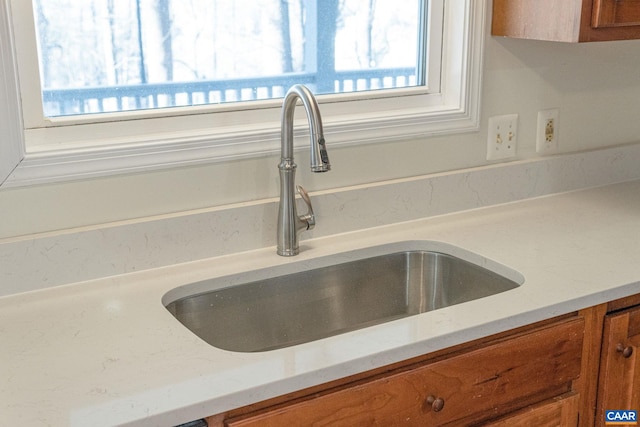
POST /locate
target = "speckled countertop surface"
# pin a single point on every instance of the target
(106, 352)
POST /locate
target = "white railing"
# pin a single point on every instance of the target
(86, 100)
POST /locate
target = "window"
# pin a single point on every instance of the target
(164, 53)
(111, 100)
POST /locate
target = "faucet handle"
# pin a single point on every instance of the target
(309, 217)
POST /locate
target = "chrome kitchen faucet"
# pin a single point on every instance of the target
(289, 222)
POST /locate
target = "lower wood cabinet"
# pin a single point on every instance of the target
(474, 385)
(562, 372)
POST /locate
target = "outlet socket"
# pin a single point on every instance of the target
(547, 131)
(502, 137)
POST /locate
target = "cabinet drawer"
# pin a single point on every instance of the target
(477, 385)
(561, 411)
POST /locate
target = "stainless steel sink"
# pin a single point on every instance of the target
(291, 309)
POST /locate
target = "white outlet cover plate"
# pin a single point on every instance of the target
(542, 145)
(502, 137)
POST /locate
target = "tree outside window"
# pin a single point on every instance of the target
(139, 54)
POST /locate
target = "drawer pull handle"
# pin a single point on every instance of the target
(436, 403)
(626, 351)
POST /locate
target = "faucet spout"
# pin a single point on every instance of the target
(319, 157)
(290, 224)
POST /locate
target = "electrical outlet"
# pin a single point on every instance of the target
(502, 137)
(547, 131)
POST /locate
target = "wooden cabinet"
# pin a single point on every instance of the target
(619, 380)
(506, 380)
(562, 372)
(615, 13)
(567, 20)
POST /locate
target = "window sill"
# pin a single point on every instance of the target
(161, 150)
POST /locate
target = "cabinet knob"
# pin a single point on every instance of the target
(436, 403)
(626, 351)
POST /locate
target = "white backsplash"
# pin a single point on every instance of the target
(52, 259)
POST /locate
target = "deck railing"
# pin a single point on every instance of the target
(84, 100)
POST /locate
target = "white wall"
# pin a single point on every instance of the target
(596, 86)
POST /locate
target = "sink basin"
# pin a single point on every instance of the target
(290, 309)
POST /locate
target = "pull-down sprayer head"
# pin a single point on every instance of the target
(319, 156)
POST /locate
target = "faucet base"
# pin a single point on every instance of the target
(288, 252)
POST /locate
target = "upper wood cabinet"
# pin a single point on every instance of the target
(615, 13)
(567, 20)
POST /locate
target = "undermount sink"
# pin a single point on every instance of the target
(304, 306)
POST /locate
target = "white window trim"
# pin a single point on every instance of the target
(183, 140)
(12, 144)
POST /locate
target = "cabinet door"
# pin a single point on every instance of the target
(620, 365)
(615, 13)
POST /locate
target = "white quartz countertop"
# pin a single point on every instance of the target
(106, 352)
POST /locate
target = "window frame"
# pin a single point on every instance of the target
(50, 150)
